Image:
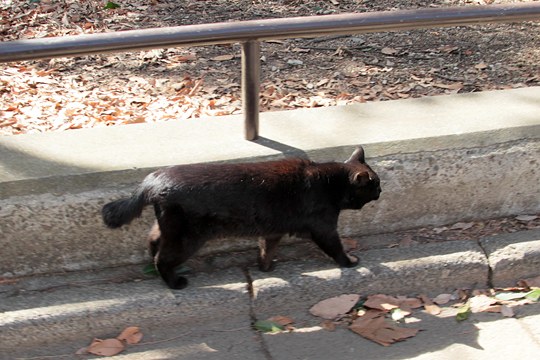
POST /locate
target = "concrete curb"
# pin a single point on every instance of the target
(42, 315)
(429, 268)
(36, 312)
(514, 256)
(52, 186)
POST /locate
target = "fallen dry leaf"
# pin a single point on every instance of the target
(382, 302)
(328, 325)
(82, 351)
(480, 303)
(131, 335)
(493, 309)
(332, 307)
(442, 299)
(531, 282)
(223, 57)
(481, 66)
(526, 218)
(462, 294)
(448, 49)
(107, 347)
(507, 311)
(185, 58)
(430, 307)
(453, 86)
(462, 226)
(399, 314)
(412, 303)
(389, 51)
(375, 327)
(406, 241)
(281, 320)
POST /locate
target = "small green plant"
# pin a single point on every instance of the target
(111, 5)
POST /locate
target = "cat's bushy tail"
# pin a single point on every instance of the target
(123, 211)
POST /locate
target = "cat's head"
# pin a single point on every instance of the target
(365, 185)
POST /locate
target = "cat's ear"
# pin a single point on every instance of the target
(357, 156)
(361, 178)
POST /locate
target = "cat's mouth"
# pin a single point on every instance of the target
(378, 192)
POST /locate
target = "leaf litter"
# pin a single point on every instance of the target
(176, 84)
(378, 317)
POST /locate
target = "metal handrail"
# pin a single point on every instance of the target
(250, 33)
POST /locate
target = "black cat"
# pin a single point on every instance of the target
(195, 203)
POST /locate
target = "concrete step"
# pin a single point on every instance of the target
(41, 312)
(441, 160)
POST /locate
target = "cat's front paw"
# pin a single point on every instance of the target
(179, 282)
(353, 260)
(266, 266)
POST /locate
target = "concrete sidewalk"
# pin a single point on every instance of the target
(212, 318)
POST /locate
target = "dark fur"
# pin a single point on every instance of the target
(195, 203)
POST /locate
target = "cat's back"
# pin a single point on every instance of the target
(231, 190)
(264, 174)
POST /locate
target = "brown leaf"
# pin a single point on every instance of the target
(462, 294)
(82, 351)
(453, 86)
(531, 282)
(108, 347)
(331, 308)
(442, 299)
(481, 66)
(185, 58)
(131, 335)
(430, 307)
(448, 49)
(507, 311)
(480, 303)
(382, 302)
(412, 303)
(7, 281)
(328, 325)
(526, 218)
(407, 240)
(373, 326)
(223, 57)
(281, 320)
(389, 51)
(494, 309)
(462, 225)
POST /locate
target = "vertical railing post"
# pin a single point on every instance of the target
(251, 73)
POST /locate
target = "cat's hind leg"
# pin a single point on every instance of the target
(267, 251)
(153, 238)
(175, 246)
(330, 243)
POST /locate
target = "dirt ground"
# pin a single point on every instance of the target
(183, 83)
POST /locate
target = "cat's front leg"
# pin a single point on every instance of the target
(354, 260)
(329, 242)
